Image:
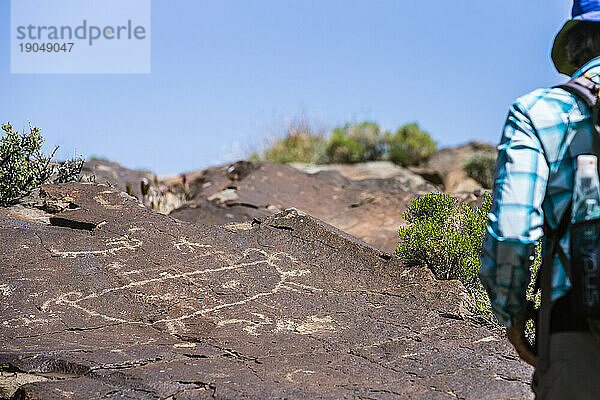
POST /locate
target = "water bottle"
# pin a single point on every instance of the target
(586, 195)
(585, 238)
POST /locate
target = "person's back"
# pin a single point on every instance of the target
(546, 130)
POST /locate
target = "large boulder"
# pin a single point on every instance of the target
(411, 181)
(446, 166)
(141, 184)
(117, 176)
(104, 298)
(370, 209)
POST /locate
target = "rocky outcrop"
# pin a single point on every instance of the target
(446, 165)
(140, 184)
(411, 182)
(117, 176)
(366, 200)
(370, 209)
(104, 298)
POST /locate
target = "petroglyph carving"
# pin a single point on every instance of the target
(250, 326)
(290, 376)
(232, 284)
(281, 273)
(5, 289)
(105, 203)
(24, 321)
(189, 245)
(312, 324)
(113, 246)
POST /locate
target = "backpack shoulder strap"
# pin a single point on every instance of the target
(544, 282)
(587, 90)
(583, 87)
(557, 234)
(553, 236)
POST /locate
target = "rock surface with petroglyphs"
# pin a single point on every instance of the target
(103, 298)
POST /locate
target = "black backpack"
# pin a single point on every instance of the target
(583, 269)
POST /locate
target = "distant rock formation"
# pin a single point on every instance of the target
(143, 185)
(372, 170)
(101, 296)
(370, 208)
(446, 167)
(366, 200)
(117, 176)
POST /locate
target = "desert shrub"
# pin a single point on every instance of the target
(67, 171)
(300, 147)
(23, 166)
(353, 143)
(410, 145)
(448, 237)
(481, 168)
(532, 295)
(301, 142)
(347, 144)
(342, 149)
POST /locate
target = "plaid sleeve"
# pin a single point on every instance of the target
(515, 222)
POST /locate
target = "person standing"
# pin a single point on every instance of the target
(545, 131)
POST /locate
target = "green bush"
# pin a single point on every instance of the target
(481, 168)
(342, 149)
(532, 295)
(410, 145)
(301, 142)
(349, 144)
(67, 171)
(23, 166)
(353, 143)
(300, 147)
(448, 236)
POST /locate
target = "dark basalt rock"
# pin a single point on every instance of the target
(144, 306)
(368, 208)
(117, 176)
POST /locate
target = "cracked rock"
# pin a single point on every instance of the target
(365, 200)
(144, 306)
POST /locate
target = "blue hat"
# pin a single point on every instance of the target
(583, 11)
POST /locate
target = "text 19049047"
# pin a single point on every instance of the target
(46, 47)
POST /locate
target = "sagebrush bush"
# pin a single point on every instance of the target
(532, 295)
(410, 145)
(356, 142)
(300, 147)
(67, 171)
(23, 166)
(348, 144)
(448, 237)
(341, 149)
(301, 142)
(481, 168)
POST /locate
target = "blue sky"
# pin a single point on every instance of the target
(226, 74)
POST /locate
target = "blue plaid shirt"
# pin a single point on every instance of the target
(544, 133)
